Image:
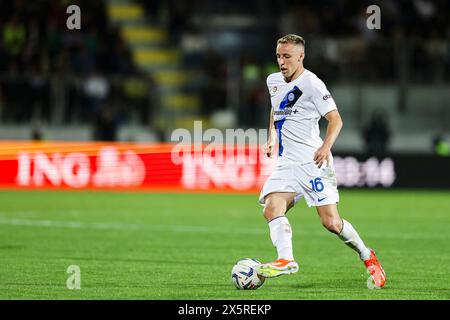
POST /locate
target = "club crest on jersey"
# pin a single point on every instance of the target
(288, 102)
(290, 98)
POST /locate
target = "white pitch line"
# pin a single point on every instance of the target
(190, 228)
(120, 226)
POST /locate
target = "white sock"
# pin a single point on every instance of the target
(352, 239)
(281, 235)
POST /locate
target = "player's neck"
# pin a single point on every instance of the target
(296, 74)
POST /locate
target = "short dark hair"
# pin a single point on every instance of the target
(292, 38)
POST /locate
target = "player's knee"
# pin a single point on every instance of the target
(273, 210)
(332, 225)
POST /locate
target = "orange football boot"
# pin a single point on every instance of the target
(277, 268)
(376, 270)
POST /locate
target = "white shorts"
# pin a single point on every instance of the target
(317, 185)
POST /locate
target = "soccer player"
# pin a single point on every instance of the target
(305, 164)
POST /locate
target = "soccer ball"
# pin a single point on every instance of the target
(244, 276)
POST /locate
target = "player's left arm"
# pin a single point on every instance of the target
(334, 127)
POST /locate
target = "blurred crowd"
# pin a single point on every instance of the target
(336, 32)
(35, 38)
(43, 63)
(413, 45)
(413, 35)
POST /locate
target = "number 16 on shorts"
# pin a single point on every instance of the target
(317, 184)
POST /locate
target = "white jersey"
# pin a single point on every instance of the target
(298, 107)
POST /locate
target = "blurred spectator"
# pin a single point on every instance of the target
(38, 93)
(214, 89)
(54, 39)
(376, 134)
(31, 54)
(253, 108)
(105, 124)
(2, 107)
(14, 39)
(96, 89)
(16, 100)
(179, 17)
(121, 61)
(139, 94)
(441, 147)
(36, 133)
(299, 17)
(153, 9)
(83, 61)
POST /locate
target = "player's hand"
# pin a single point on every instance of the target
(321, 155)
(268, 148)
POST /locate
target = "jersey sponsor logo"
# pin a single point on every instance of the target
(287, 112)
(283, 112)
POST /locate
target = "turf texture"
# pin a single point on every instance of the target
(182, 246)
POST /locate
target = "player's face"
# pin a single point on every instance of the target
(289, 58)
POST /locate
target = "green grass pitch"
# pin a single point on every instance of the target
(183, 246)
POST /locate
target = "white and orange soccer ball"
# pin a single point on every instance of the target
(244, 276)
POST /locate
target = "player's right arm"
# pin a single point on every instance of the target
(269, 147)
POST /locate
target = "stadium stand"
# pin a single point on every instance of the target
(143, 68)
